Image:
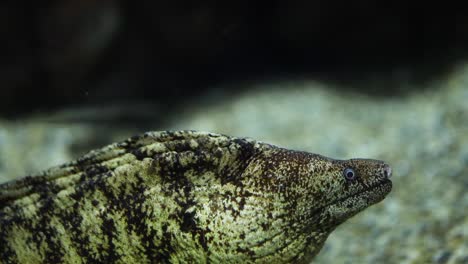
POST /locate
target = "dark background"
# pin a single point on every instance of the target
(72, 52)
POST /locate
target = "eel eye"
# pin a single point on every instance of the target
(349, 174)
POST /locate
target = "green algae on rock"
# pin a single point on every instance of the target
(186, 196)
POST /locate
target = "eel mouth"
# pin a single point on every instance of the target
(373, 194)
(376, 192)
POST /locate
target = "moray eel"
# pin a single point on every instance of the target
(185, 197)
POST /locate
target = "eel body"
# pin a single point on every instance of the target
(185, 197)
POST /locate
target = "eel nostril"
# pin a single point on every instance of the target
(388, 171)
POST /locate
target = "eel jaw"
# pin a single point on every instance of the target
(346, 207)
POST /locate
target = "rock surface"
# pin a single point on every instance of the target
(424, 136)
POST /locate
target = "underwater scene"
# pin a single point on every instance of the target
(233, 132)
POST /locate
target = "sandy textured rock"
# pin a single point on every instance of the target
(422, 135)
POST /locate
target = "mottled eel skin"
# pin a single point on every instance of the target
(185, 197)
